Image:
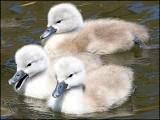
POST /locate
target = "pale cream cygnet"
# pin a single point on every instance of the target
(68, 33)
(79, 91)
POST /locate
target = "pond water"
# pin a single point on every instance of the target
(22, 23)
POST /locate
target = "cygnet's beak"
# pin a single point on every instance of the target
(48, 32)
(18, 78)
(60, 89)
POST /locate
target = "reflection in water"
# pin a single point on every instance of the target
(23, 25)
(29, 108)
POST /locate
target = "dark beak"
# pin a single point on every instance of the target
(48, 32)
(60, 89)
(18, 78)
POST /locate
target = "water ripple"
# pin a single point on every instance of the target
(139, 7)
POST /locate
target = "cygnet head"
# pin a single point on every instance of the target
(31, 60)
(62, 18)
(69, 73)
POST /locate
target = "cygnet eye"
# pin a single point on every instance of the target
(59, 21)
(70, 75)
(29, 64)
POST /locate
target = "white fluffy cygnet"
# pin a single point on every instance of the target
(79, 91)
(68, 33)
(31, 77)
(33, 66)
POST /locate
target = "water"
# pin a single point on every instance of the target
(23, 23)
